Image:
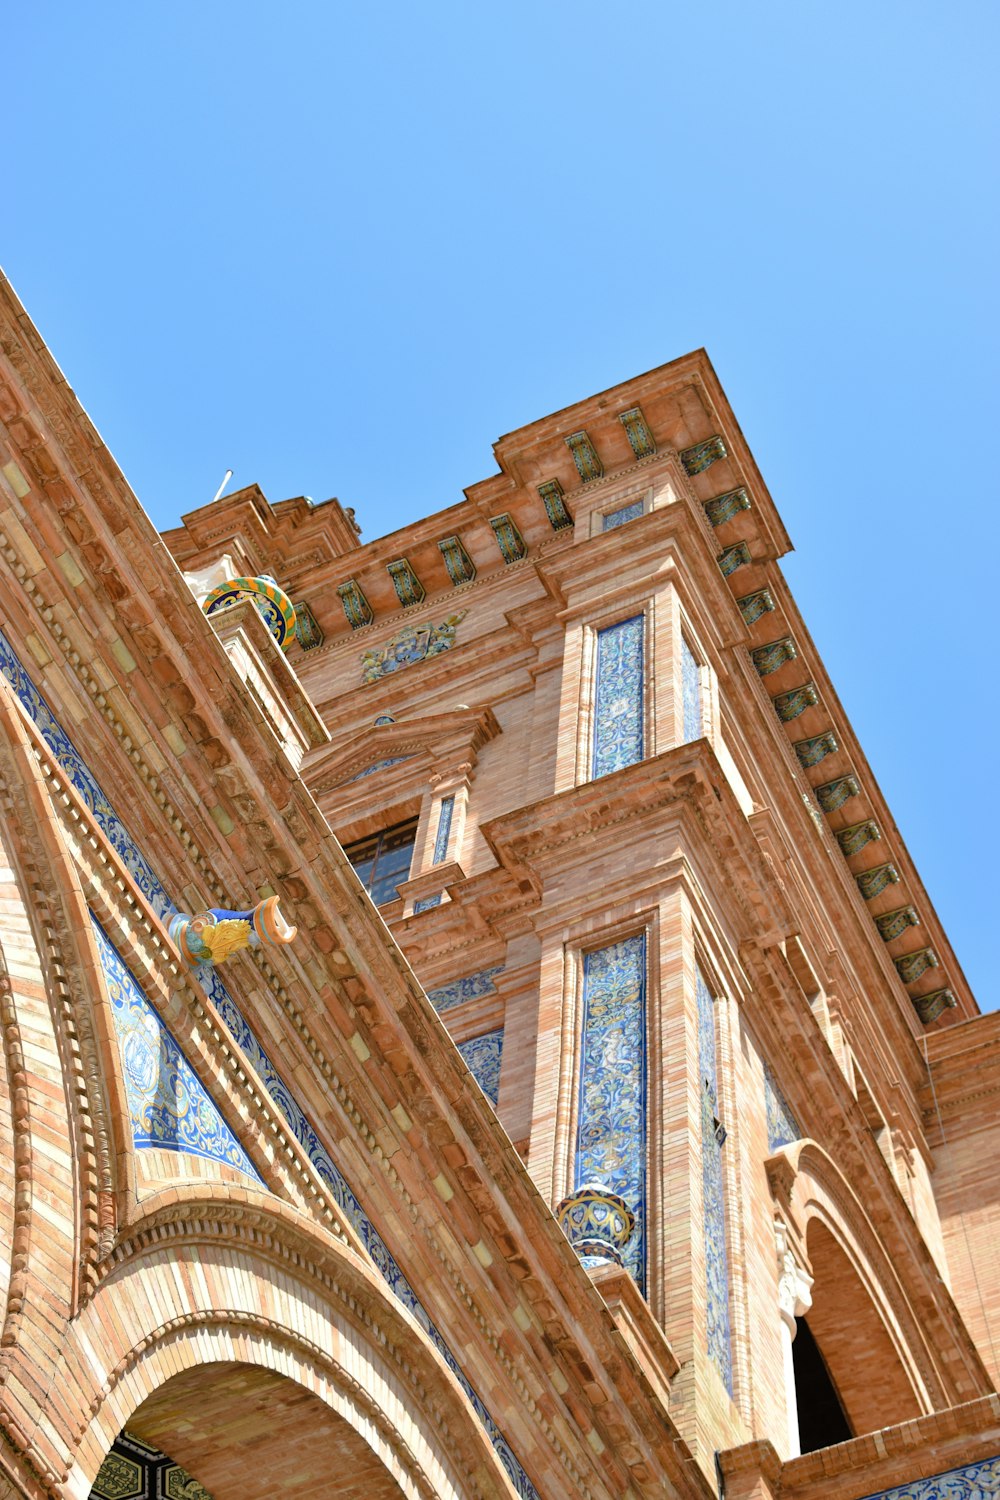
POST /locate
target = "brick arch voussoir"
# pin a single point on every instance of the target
(811, 1187)
(252, 1234)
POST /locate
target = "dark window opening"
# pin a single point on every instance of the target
(822, 1420)
(382, 862)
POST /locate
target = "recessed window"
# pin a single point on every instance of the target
(382, 862)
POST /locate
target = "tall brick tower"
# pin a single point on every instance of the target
(472, 1026)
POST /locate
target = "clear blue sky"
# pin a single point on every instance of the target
(342, 248)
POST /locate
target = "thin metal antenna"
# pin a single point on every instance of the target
(222, 486)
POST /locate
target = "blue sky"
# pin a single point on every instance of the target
(341, 249)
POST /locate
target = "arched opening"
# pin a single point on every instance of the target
(851, 1372)
(241, 1432)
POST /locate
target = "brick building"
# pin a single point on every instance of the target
(615, 1120)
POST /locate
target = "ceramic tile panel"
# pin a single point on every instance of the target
(168, 1106)
(307, 632)
(588, 465)
(427, 903)
(789, 705)
(409, 589)
(637, 431)
(470, 988)
(781, 1126)
(618, 697)
(615, 518)
(712, 1137)
(701, 456)
(979, 1481)
(461, 568)
(133, 1470)
(413, 644)
(611, 1134)
(378, 765)
(508, 538)
(691, 695)
(833, 794)
(445, 811)
(555, 506)
(483, 1056)
(736, 556)
(356, 606)
(724, 507)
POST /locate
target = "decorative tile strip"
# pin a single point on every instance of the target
(483, 1056)
(555, 506)
(611, 1133)
(852, 840)
(509, 539)
(690, 694)
(356, 606)
(702, 455)
(752, 606)
(412, 644)
(970, 1482)
(169, 1107)
(872, 883)
(892, 924)
(148, 883)
(833, 794)
(912, 965)
(781, 1124)
(307, 632)
(618, 697)
(736, 556)
(811, 751)
(788, 706)
(638, 433)
(928, 1008)
(724, 507)
(775, 654)
(712, 1137)
(615, 518)
(469, 988)
(409, 589)
(443, 829)
(426, 903)
(588, 465)
(461, 568)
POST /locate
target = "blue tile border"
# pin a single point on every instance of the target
(469, 988)
(114, 830)
(619, 738)
(979, 1481)
(713, 1189)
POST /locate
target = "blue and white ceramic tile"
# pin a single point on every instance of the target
(445, 812)
(168, 1106)
(427, 903)
(618, 696)
(781, 1124)
(615, 518)
(716, 1256)
(115, 831)
(691, 690)
(611, 1135)
(378, 765)
(469, 988)
(482, 1056)
(979, 1481)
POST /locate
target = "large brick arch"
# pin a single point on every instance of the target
(219, 1276)
(863, 1314)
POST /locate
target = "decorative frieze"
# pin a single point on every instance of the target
(852, 840)
(588, 465)
(612, 519)
(611, 1132)
(911, 965)
(509, 539)
(816, 748)
(736, 556)
(724, 507)
(789, 705)
(752, 606)
(833, 794)
(356, 606)
(701, 456)
(713, 1136)
(307, 632)
(409, 589)
(872, 883)
(412, 644)
(638, 433)
(461, 568)
(970, 1482)
(928, 1008)
(445, 811)
(773, 655)
(555, 506)
(892, 924)
(618, 697)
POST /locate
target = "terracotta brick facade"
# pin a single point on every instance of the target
(259, 1216)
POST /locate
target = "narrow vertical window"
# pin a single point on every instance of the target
(712, 1137)
(445, 811)
(691, 694)
(611, 1133)
(618, 697)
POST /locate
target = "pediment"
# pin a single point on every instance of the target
(444, 741)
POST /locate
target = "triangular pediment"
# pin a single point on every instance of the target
(442, 740)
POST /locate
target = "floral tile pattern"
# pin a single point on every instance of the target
(114, 830)
(445, 812)
(469, 988)
(135, 1471)
(980, 1481)
(615, 518)
(691, 694)
(618, 697)
(483, 1055)
(611, 1135)
(781, 1126)
(712, 1137)
(168, 1105)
